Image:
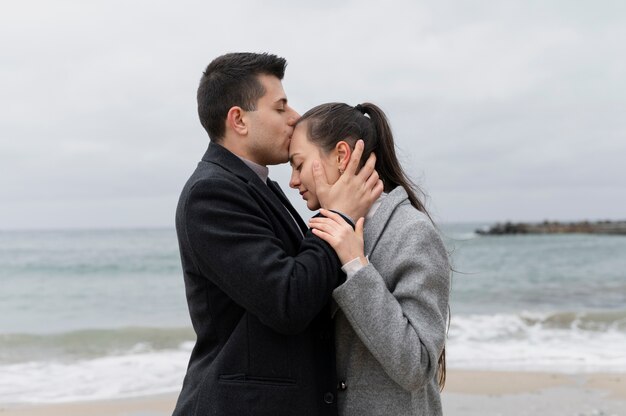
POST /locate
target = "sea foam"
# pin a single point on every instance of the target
(135, 373)
(560, 342)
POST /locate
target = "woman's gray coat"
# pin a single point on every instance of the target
(391, 323)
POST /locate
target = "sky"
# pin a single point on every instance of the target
(508, 110)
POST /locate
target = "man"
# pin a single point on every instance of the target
(257, 282)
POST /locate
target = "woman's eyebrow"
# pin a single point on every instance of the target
(291, 158)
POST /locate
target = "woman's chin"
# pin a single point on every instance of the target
(313, 205)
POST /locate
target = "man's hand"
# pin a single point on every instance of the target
(353, 194)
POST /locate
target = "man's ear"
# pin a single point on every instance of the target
(344, 151)
(236, 122)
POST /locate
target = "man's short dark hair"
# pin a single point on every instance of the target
(232, 80)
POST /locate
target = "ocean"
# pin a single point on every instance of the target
(99, 314)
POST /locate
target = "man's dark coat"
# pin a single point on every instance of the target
(257, 293)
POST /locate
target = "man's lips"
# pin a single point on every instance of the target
(302, 193)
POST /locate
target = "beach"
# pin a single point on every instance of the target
(467, 393)
(487, 393)
(95, 322)
(156, 405)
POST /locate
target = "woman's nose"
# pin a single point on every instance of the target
(294, 181)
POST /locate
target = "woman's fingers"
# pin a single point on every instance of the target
(334, 216)
(325, 226)
(347, 243)
(324, 236)
(328, 221)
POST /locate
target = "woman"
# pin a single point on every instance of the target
(393, 307)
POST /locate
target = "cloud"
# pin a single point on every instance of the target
(515, 99)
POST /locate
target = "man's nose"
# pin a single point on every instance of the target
(293, 117)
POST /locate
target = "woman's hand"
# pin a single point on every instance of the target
(347, 243)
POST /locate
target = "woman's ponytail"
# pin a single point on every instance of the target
(390, 171)
(387, 164)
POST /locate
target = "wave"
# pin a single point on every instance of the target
(561, 341)
(585, 321)
(93, 364)
(130, 374)
(89, 343)
(138, 361)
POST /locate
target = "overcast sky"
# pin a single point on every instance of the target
(507, 110)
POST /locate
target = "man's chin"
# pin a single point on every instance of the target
(279, 159)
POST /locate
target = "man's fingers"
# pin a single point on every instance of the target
(378, 189)
(319, 176)
(369, 166)
(372, 181)
(359, 227)
(353, 165)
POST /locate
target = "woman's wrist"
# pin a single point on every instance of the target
(351, 267)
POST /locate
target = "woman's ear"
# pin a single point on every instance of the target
(344, 151)
(236, 121)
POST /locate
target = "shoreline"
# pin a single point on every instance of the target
(467, 392)
(154, 405)
(487, 382)
(491, 393)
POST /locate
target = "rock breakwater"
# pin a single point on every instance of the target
(556, 227)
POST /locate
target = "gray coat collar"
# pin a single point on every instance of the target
(375, 226)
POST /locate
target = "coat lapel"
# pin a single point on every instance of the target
(285, 201)
(376, 225)
(221, 156)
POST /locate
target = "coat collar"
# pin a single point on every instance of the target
(375, 226)
(223, 157)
